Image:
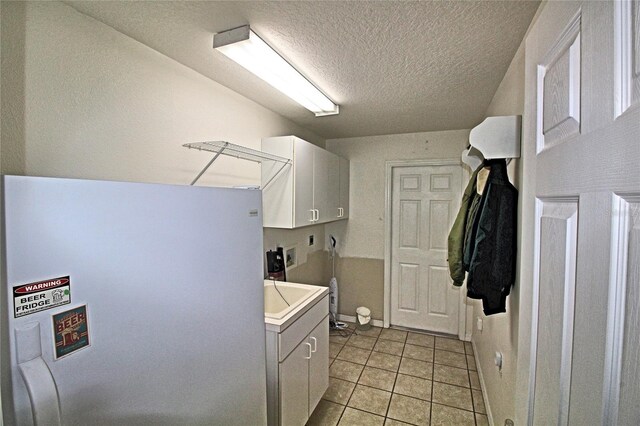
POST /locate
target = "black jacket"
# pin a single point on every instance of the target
(493, 249)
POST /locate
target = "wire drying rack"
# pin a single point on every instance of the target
(237, 151)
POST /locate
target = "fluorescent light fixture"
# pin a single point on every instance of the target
(247, 49)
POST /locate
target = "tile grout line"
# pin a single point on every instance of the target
(358, 384)
(433, 376)
(349, 399)
(473, 405)
(386, 416)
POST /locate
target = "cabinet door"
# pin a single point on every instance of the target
(319, 363)
(321, 159)
(303, 182)
(294, 386)
(343, 203)
(277, 197)
(333, 187)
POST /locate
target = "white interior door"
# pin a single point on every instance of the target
(582, 166)
(424, 202)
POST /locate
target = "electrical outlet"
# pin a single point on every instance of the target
(312, 239)
(479, 323)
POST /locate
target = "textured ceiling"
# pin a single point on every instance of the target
(392, 66)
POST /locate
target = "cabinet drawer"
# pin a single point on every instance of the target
(292, 336)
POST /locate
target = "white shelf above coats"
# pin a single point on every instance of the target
(472, 158)
(497, 137)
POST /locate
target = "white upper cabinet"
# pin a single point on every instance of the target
(311, 190)
(343, 197)
(300, 184)
(321, 162)
(333, 195)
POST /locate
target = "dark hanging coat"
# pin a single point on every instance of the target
(493, 249)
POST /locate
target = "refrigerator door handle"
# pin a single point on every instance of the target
(42, 389)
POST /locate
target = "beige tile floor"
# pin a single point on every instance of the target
(395, 377)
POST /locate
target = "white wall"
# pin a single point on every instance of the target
(363, 234)
(500, 331)
(98, 104)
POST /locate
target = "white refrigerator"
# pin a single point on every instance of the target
(131, 304)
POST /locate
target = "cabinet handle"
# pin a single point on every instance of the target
(340, 212)
(315, 344)
(316, 215)
(308, 344)
(313, 215)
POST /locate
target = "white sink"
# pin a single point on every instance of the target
(285, 301)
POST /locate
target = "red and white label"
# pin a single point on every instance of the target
(42, 295)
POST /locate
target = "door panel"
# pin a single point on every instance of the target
(344, 186)
(622, 371)
(409, 292)
(630, 368)
(581, 150)
(321, 188)
(333, 186)
(627, 37)
(294, 386)
(303, 191)
(424, 200)
(409, 223)
(438, 294)
(556, 283)
(319, 364)
(440, 223)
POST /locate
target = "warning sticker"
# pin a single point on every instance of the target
(41, 295)
(71, 331)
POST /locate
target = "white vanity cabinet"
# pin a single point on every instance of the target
(298, 365)
(306, 192)
(304, 376)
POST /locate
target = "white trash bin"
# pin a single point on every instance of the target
(364, 318)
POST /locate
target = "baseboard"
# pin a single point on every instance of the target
(349, 318)
(482, 384)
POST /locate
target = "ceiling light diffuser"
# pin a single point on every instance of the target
(247, 49)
